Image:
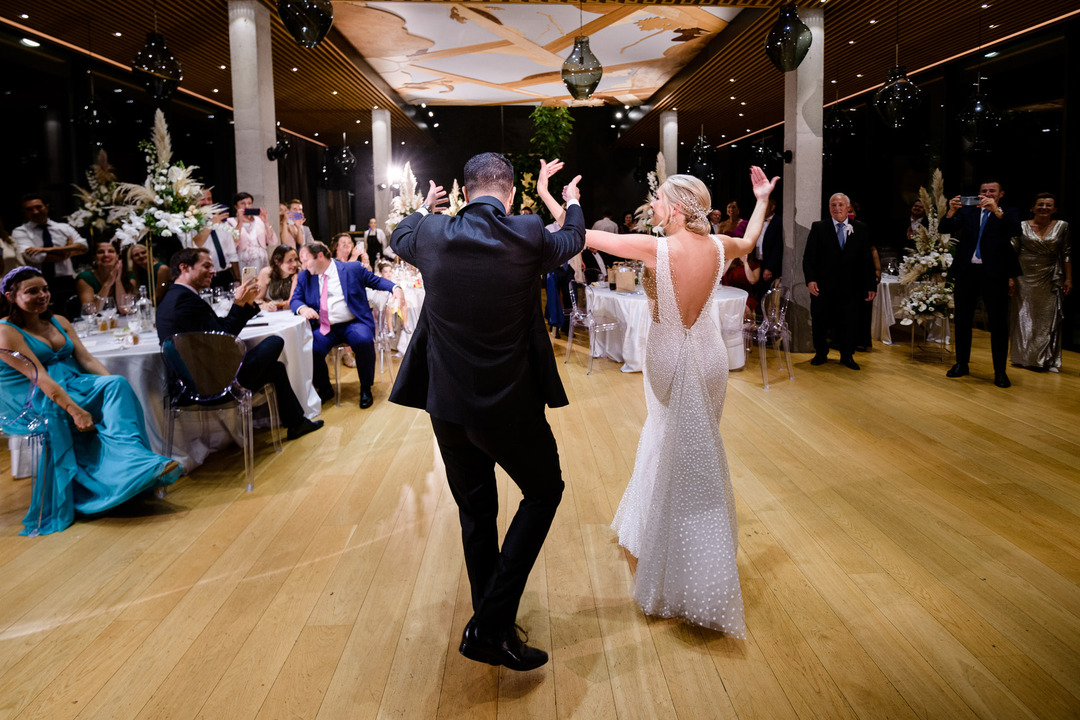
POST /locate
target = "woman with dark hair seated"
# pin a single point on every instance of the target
(106, 278)
(99, 455)
(278, 280)
(135, 261)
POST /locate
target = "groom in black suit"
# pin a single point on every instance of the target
(480, 362)
(839, 269)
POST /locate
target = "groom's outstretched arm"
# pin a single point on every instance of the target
(403, 240)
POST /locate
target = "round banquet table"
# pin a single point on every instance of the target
(627, 343)
(414, 302)
(144, 368)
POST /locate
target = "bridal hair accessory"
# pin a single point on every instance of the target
(692, 208)
(13, 273)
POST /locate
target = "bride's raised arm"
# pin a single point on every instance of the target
(763, 187)
(632, 247)
(547, 169)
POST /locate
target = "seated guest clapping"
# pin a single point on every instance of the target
(98, 453)
(106, 278)
(332, 295)
(182, 310)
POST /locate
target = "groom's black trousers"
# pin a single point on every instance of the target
(526, 450)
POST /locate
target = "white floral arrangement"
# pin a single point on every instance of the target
(925, 266)
(408, 200)
(455, 200)
(643, 215)
(927, 300)
(99, 211)
(166, 204)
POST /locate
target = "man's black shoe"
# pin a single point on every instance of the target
(366, 400)
(849, 363)
(819, 359)
(502, 649)
(303, 427)
(957, 370)
(1002, 380)
(326, 394)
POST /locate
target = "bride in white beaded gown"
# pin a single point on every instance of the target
(677, 515)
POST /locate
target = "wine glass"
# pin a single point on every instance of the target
(89, 312)
(127, 304)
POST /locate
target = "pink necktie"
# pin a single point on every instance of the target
(324, 306)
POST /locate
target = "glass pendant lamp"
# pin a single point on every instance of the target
(581, 71)
(789, 39)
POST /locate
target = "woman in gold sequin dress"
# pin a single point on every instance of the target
(1037, 306)
(677, 515)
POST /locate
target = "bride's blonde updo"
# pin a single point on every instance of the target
(694, 199)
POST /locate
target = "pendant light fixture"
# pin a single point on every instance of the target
(307, 21)
(92, 115)
(157, 67)
(789, 39)
(344, 158)
(978, 118)
(581, 71)
(899, 96)
(701, 161)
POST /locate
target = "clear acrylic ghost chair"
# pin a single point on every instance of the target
(581, 315)
(204, 366)
(774, 328)
(337, 356)
(24, 427)
(383, 313)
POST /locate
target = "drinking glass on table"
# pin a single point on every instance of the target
(89, 315)
(127, 304)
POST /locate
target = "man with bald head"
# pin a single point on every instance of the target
(839, 269)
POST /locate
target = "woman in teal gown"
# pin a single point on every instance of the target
(99, 454)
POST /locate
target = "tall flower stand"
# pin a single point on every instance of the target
(940, 338)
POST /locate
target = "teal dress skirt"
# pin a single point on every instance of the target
(86, 472)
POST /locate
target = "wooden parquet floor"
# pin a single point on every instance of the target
(909, 548)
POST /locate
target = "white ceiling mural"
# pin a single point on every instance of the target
(485, 53)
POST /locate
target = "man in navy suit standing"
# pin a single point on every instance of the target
(480, 362)
(984, 265)
(839, 269)
(333, 295)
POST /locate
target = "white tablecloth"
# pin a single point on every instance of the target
(144, 367)
(886, 312)
(627, 344)
(414, 302)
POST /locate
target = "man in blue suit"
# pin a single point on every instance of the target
(480, 363)
(333, 296)
(984, 265)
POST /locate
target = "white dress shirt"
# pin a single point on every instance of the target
(28, 235)
(337, 307)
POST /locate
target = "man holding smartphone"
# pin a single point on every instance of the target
(217, 239)
(294, 232)
(984, 265)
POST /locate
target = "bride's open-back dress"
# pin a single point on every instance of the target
(677, 516)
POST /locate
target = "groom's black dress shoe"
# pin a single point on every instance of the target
(1002, 380)
(504, 648)
(957, 370)
(849, 362)
(819, 359)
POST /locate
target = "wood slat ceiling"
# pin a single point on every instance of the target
(930, 31)
(197, 33)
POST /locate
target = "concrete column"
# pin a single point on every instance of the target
(803, 95)
(380, 164)
(669, 140)
(253, 103)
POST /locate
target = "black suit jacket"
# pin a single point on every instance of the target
(181, 310)
(848, 272)
(772, 247)
(480, 354)
(999, 258)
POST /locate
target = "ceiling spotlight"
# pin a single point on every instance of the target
(221, 66)
(992, 54)
(333, 92)
(873, 22)
(24, 16)
(295, 69)
(29, 43)
(118, 34)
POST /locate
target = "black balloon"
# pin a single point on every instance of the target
(157, 68)
(307, 21)
(789, 39)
